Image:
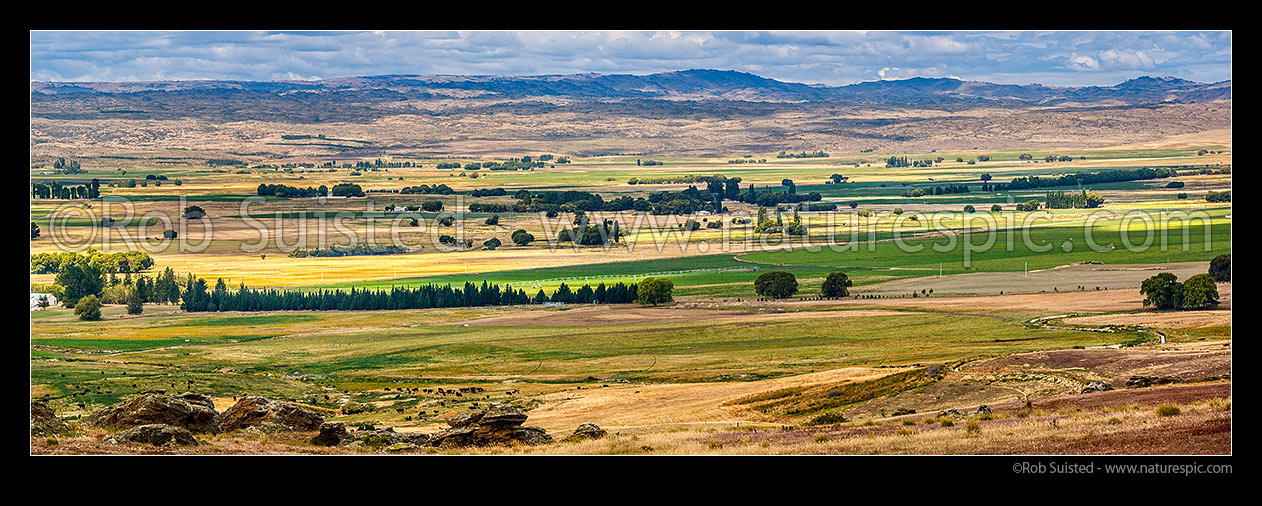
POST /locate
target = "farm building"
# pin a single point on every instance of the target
(35, 297)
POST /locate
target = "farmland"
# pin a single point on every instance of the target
(950, 309)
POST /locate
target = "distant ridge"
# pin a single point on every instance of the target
(697, 84)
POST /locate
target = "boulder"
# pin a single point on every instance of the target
(904, 411)
(1147, 381)
(188, 410)
(1097, 386)
(465, 419)
(452, 438)
(587, 431)
(253, 410)
(44, 421)
(157, 434)
(503, 435)
(388, 437)
(502, 413)
(983, 409)
(951, 413)
(267, 428)
(332, 434)
(499, 424)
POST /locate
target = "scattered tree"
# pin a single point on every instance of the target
(835, 285)
(79, 280)
(194, 213)
(1220, 268)
(655, 291)
(134, 303)
(776, 284)
(88, 308)
(1162, 291)
(521, 237)
(1199, 292)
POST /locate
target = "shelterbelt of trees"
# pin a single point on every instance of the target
(120, 262)
(1085, 199)
(66, 191)
(286, 191)
(1112, 176)
(198, 298)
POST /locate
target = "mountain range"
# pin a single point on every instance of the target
(680, 85)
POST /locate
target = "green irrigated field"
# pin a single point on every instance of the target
(1063, 244)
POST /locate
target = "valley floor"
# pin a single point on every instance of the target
(723, 390)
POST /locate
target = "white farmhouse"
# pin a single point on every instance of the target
(52, 300)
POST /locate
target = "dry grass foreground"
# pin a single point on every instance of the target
(1117, 422)
(676, 404)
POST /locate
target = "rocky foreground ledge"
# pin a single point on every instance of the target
(159, 419)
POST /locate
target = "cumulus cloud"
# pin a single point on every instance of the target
(1123, 59)
(1081, 62)
(824, 57)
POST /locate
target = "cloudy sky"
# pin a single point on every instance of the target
(833, 58)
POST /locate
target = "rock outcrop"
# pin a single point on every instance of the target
(502, 414)
(332, 434)
(191, 411)
(253, 410)
(157, 434)
(587, 431)
(44, 421)
(1097, 386)
(500, 424)
(385, 438)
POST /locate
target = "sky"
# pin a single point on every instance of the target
(1074, 58)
